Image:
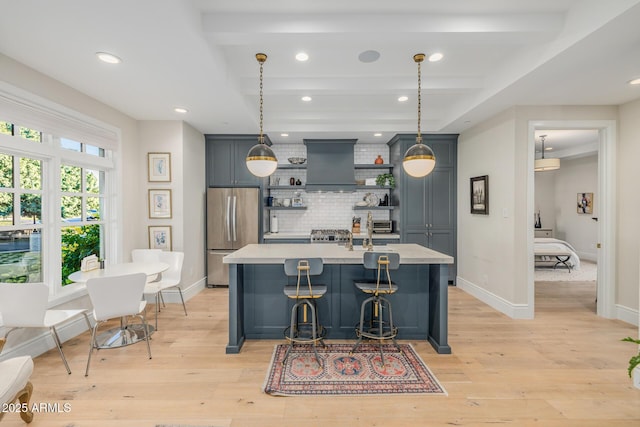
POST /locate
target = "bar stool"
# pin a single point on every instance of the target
(378, 326)
(304, 328)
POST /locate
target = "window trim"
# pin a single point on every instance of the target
(52, 155)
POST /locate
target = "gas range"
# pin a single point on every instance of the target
(329, 236)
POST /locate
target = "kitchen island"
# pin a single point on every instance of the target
(258, 308)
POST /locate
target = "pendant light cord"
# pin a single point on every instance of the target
(261, 140)
(419, 138)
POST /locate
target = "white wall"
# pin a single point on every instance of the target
(628, 205)
(486, 251)
(194, 190)
(545, 198)
(187, 186)
(556, 197)
(580, 230)
(493, 262)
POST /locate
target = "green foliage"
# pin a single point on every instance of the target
(77, 243)
(31, 134)
(635, 360)
(6, 128)
(386, 177)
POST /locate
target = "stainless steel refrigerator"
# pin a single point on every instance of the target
(233, 216)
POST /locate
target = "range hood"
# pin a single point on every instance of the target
(330, 165)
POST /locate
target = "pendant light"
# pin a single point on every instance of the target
(543, 164)
(261, 161)
(419, 159)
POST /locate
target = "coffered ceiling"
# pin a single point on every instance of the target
(200, 55)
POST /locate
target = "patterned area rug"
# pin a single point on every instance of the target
(344, 374)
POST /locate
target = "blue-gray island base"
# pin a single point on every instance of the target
(258, 308)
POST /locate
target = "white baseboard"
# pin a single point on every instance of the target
(35, 345)
(627, 314)
(515, 311)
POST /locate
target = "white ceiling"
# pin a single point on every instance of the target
(200, 55)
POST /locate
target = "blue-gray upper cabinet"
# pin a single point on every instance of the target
(226, 166)
(426, 212)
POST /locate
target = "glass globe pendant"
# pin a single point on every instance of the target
(261, 161)
(419, 159)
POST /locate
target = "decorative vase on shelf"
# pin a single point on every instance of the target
(379, 160)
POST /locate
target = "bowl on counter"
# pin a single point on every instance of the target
(297, 160)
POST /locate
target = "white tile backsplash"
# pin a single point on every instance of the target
(325, 210)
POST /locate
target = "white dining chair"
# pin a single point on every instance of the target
(24, 305)
(147, 255)
(117, 297)
(170, 279)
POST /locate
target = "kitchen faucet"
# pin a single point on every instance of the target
(349, 244)
(369, 245)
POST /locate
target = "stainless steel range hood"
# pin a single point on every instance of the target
(330, 165)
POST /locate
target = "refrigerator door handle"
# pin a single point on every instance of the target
(228, 218)
(234, 218)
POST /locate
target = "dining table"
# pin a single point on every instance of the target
(124, 334)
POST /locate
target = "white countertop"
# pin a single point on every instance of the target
(307, 236)
(331, 253)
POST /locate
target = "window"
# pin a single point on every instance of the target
(20, 219)
(45, 234)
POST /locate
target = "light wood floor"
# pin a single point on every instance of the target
(565, 368)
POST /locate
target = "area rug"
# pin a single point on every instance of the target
(588, 272)
(362, 372)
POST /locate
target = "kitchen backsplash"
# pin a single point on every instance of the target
(325, 210)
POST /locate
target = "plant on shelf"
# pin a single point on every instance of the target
(635, 360)
(386, 179)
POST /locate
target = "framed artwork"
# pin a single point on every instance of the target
(159, 167)
(480, 195)
(159, 203)
(160, 237)
(585, 203)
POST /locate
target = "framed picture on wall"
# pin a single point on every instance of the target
(480, 195)
(585, 203)
(160, 237)
(159, 203)
(159, 167)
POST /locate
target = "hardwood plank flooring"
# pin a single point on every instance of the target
(565, 368)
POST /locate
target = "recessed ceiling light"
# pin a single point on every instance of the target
(369, 56)
(435, 57)
(108, 58)
(377, 134)
(548, 148)
(403, 98)
(635, 81)
(302, 56)
(284, 134)
(306, 98)
(180, 110)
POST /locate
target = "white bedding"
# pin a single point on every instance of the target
(543, 243)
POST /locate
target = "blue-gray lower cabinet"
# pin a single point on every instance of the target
(426, 207)
(258, 308)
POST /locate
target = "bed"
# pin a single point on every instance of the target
(549, 251)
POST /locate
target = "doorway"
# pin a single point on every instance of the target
(604, 199)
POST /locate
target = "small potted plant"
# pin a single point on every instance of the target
(386, 179)
(634, 363)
